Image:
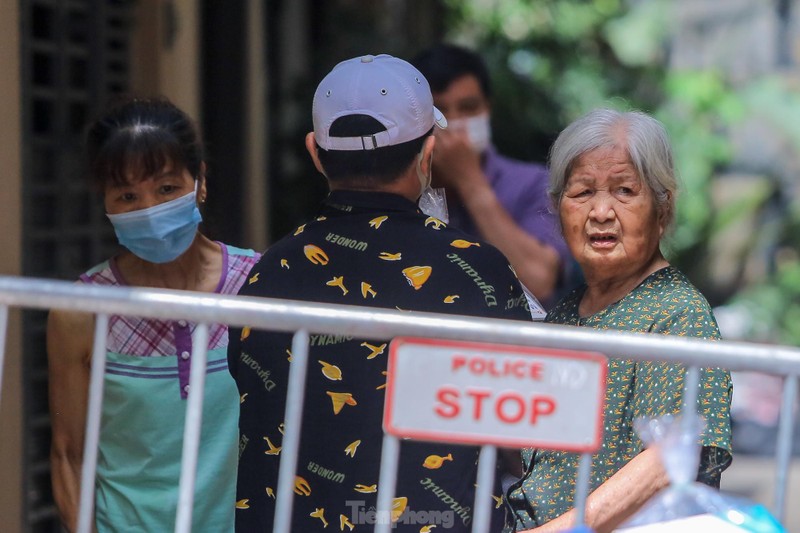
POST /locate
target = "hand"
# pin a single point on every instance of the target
(456, 166)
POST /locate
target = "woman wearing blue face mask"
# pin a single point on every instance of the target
(147, 160)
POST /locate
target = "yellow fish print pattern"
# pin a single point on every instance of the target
(245, 332)
(340, 399)
(376, 222)
(416, 276)
(461, 243)
(338, 281)
(375, 350)
(383, 386)
(300, 230)
(366, 489)
(270, 492)
(435, 223)
(253, 279)
(451, 298)
(388, 256)
(366, 289)
(433, 462)
(301, 486)
(315, 254)
(398, 506)
(352, 447)
(332, 372)
(427, 529)
(243, 503)
(319, 512)
(285, 264)
(273, 450)
(343, 521)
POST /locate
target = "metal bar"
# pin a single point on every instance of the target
(93, 413)
(3, 329)
(192, 429)
(290, 316)
(390, 455)
(293, 421)
(482, 508)
(783, 453)
(582, 488)
(691, 383)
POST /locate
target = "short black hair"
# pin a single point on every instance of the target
(444, 63)
(368, 168)
(141, 135)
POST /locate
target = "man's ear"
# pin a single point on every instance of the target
(426, 160)
(311, 147)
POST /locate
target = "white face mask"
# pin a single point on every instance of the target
(432, 201)
(478, 129)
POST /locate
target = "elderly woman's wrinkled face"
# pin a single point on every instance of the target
(609, 216)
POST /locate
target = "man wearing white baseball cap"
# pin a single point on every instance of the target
(371, 246)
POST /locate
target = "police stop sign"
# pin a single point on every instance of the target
(475, 393)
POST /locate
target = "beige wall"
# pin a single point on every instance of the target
(10, 263)
(166, 50)
(256, 191)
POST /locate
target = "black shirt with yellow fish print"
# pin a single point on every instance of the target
(367, 249)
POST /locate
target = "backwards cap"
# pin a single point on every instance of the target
(383, 87)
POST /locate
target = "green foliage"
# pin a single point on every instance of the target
(553, 60)
(696, 109)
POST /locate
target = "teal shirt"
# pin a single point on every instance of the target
(144, 412)
(139, 456)
(664, 303)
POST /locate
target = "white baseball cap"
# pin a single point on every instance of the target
(383, 87)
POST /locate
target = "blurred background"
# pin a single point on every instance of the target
(723, 76)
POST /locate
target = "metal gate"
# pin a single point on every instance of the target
(304, 317)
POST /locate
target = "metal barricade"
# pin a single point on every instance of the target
(304, 317)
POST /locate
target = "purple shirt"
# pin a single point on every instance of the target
(521, 188)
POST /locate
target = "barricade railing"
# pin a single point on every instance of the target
(305, 317)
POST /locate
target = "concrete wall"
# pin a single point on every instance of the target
(10, 263)
(165, 52)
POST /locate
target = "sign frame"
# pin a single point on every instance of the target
(459, 436)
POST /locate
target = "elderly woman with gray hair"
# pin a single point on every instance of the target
(613, 185)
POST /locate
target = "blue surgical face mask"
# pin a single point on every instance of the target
(161, 233)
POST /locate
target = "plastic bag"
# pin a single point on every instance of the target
(433, 203)
(686, 505)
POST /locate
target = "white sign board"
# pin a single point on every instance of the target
(512, 396)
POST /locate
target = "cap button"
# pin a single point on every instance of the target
(367, 59)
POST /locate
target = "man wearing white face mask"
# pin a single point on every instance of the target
(370, 246)
(499, 199)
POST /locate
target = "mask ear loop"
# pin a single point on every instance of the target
(432, 201)
(424, 181)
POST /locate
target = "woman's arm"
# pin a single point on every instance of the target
(69, 348)
(619, 497)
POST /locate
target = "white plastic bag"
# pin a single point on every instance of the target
(685, 505)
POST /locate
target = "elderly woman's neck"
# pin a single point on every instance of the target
(604, 289)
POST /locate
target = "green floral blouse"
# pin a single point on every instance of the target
(666, 303)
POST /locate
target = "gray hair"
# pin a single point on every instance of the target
(647, 145)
